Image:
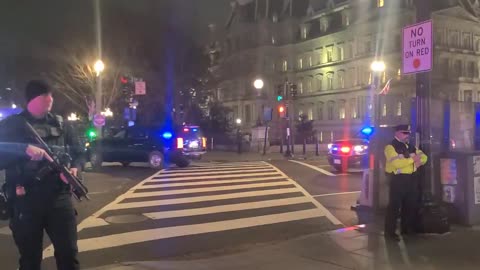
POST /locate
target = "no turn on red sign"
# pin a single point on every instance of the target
(98, 120)
(417, 48)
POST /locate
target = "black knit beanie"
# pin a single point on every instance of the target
(36, 88)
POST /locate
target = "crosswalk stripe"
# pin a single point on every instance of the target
(227, 208)
(167, 179)
(200, 199)
(206, 189)
(213, 182)
(122, 239)
(215, 168)
(217, 172)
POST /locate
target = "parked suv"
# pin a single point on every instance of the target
(144, 144)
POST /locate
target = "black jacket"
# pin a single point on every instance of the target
(14, 139)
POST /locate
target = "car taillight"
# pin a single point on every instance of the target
(179, 143)
(345, 149)
(204, 142)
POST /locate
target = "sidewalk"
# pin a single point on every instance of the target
(224, 156)
(358, 248)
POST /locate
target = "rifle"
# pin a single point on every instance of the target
(79, 190)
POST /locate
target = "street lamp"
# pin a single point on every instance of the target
(378, 66)
(107, 113)
(238, 121)
(99, 66)
(258, 84)
(73, 117)
(14, 106)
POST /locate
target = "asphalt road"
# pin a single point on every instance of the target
(201, 211)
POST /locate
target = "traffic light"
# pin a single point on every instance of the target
(92, 133)
(293, 90)
(282, 111)
(280, 93)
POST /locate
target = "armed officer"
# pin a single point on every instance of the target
(39, 200)
(402, 163)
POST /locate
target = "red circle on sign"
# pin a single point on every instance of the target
(416, 63)
(98, 120)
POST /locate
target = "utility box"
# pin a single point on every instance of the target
(457, 183)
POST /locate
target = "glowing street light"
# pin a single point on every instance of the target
(378, 66)
(258, 84)
(107, 113)
(238, 121)
(14, 106)
(73, 117)
(99, 66)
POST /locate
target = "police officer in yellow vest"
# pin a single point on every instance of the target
(402, 162)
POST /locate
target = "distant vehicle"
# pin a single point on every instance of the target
(148, 144)
(348, 154)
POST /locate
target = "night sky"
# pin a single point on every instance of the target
(58, 21)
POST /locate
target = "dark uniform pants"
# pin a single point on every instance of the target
(402, 203)
(36, 212)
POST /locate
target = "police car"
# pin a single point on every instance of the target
(350, 153)
(154, 145)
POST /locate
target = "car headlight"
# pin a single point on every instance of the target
(87, 144)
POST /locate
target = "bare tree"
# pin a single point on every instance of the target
(76, 80)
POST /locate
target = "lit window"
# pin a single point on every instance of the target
(330, 54)
(310, 113)
(304, 32)
(399, 108)
(285, 65)
(330, 81)
(310, 61)
(380, 3)
(384, 110)
(300, 63)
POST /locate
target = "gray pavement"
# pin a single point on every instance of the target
(350, 248)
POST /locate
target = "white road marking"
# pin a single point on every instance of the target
(226, 208)
(334, 194)
(167, 179)
(213, 169)
(127, 238)
(313, 167)
(206, 189)
(200, 199)
(279, 178)
(329, 215)
(261, 169)
(5, 230)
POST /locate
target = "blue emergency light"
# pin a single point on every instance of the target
(167, 135)
(367, 131)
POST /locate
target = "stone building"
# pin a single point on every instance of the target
(326, 47)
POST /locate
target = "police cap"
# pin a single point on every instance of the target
(402, 128)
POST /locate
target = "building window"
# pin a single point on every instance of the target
(467, 96)
(384, 110)
(300, 86)
(472, 69)
(319, 56)
(399, 108)
(248, 113)
(304, 32)
(353, 108)
(341, 53)
(467, 41)
(341, 79)
(349, 50)
(330, 54)
(284, 65)
(320, 111)
(345, 19)
(380, 3)
(300, 63)
(399, 73)
(319, 81)
(458, 68)
(330, 109)
(273, 40)
(310, 112)
(341, 110)
(309, 84)
(453, 39)
(310, 61)
(330, 81)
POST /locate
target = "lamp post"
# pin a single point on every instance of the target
(258, 84)
(238, 121)
(99, 66)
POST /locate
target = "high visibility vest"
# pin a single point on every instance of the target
(398, 160)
